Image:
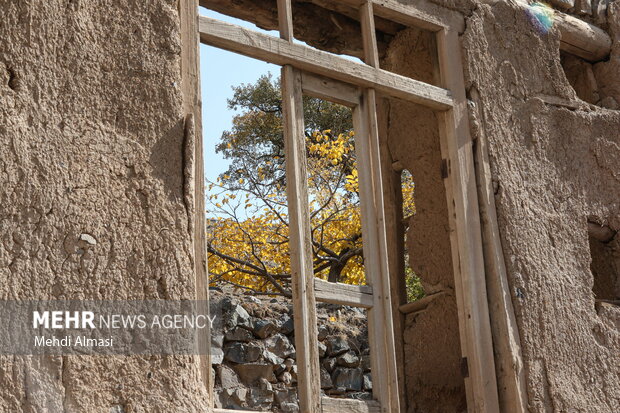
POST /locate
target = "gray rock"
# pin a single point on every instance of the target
(232, 314)
(280, 345)
(242, 352)
(365, 363)
(286, 378)
(337, 391)
(367, 382)
(337, 345)
(350, 379)
(286, 396)
(264, 384)
(348, 359)
(326, 379)
(260, 397)
(289, 363)
(286, 325)
(289, 407)
(217, 356)
(323, 332)
(228, 378)
(252, 299)
(252, 372)
(329, 364)
(363, 395)
(272, 358)
(294, 373)
(231, 398)
(239, 334)
(322, 349)
(217, 340)
(264, 328)
(240, 396)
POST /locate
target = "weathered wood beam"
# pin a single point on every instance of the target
(578, 37)
(343, 294)
(383, 25)
(331, 405)
(421, 13)
(302, 273)
(582, 38)
(421, 304)
(268, 48)
(319, 27)
(465, 232)
(329, 89)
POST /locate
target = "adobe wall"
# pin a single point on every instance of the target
(94, 201)
(554, 168)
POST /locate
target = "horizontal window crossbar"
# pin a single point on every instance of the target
(332, 405)
(273, 50)
(343, 294)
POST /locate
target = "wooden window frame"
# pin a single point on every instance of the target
(320, 74)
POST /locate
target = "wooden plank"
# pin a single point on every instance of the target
(466, 241)
(393, 212)
(229, 411)
(302, 271)
(582, 39)
(352, 11)
(332, 405)
(369, 35)
(578, 37)
(419, 305)
(264, 47)
(381, 334)
(506, 339)
(194, 194)
(382, 341)
(285, 20)
(343, 294)
(418, 13)
(329, 89)
(565, 103)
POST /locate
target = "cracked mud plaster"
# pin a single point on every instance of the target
(555, 166)
(93, 191)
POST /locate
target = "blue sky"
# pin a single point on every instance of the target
(219, 72)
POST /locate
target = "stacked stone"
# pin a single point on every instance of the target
(253, 353)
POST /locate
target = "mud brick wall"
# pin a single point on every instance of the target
(92, 195)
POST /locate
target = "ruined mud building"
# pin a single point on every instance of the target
(508, 121)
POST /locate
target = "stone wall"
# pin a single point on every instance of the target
(253, 352)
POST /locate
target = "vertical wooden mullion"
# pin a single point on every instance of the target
(466, 236)
(369, 35)
(302, 273)
(285, 19)
(300, 241)
(381, 327)
(195, 191)
(395, 232)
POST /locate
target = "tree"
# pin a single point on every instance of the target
(248, 226)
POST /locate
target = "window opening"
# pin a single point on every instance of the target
(252, 339)
(302, 66)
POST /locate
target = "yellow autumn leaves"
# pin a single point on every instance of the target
(248, 233)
